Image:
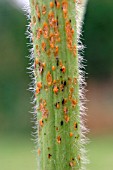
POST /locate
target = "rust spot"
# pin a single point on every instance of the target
(38, 12)
(58, 4)
(56, 128)
(51, 4)
(43, 9)
(39, 151)
(53, 68)
(64, 101)
(71, 90)
(57, 105)
(39, 33)
(41, 122)
(56, 51)
(66, 117)
(43, 46)
(49, 53)
(39, 84)
(36, 61)
(75, 125)
(45, 30)
(49, 78)
(70, 134)
(63, 69)
(55, 89)
(58, 139)
(37, 90)
(65, 109)
(62, 87)
(65, 8)
(74, 102)
(51, 18)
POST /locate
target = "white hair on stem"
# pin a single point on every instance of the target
(80, 12)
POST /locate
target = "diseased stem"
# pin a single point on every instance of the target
(54, 36)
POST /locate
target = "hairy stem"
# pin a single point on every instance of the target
(54, 36)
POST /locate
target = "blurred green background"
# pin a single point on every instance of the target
(16, 147)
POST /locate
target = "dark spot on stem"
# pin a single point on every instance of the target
(64, 83)
(49, 155)
(55, 2)
(61, 123)
(63, 102)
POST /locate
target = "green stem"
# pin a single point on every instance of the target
(54, 31)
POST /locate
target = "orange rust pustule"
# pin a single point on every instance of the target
(65, 8)
(55, 89)
(51, 18)
(39, 84)
(74, 102)
(39, 33)
(43, 46)
(65, 109)
(66, 117)
(70, 134)
(36, 61)
(51, 4)
(37, 90)
(58, 4)
(45, 30)
(57, 105)
(41, 123)
(53, 68)
(49, 78)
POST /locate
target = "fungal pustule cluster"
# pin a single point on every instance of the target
(52, 71)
